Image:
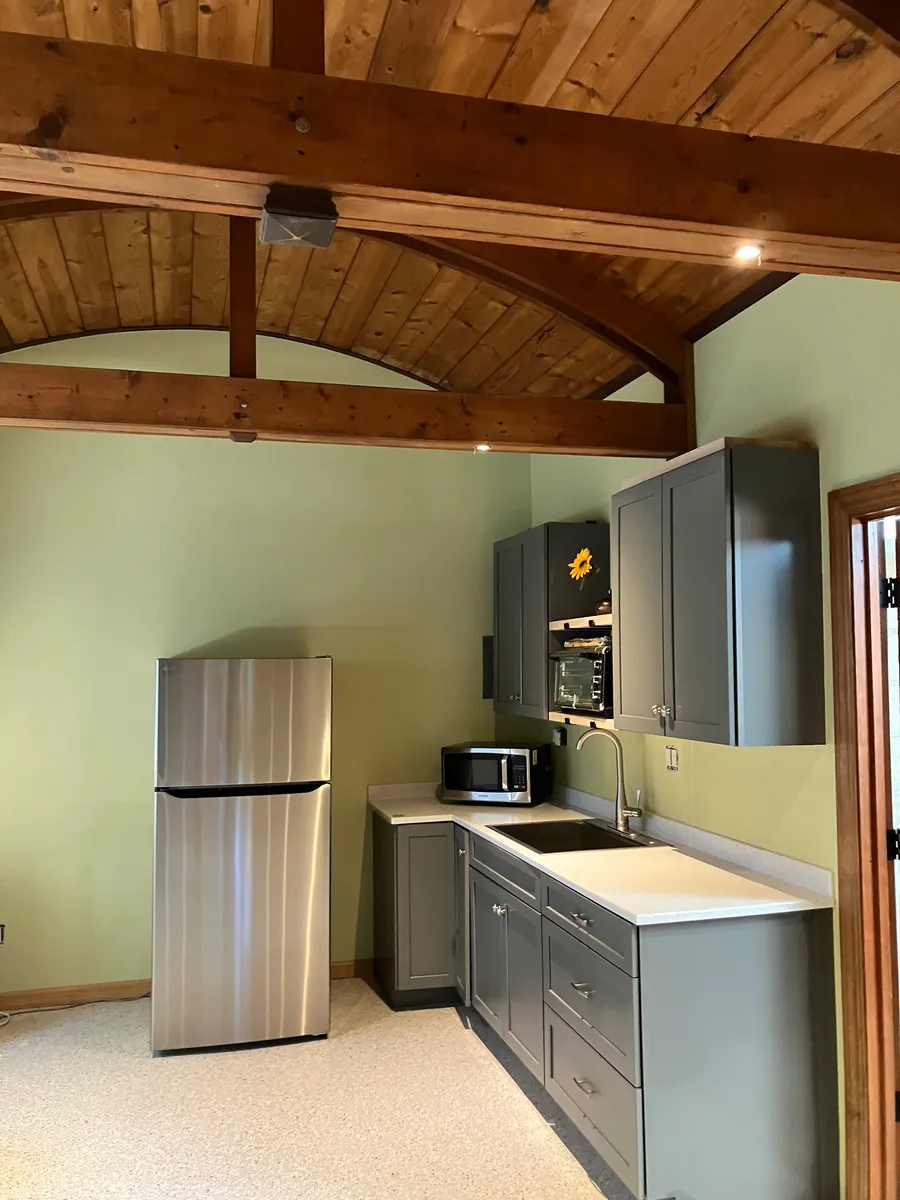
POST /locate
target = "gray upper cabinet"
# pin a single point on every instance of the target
(520, 625)
(697, 596)
(638, 685)
(533, 586)
(717, 580)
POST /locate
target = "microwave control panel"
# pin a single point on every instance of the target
(518, 774)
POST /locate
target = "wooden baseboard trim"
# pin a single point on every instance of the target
(357, 968)
(83, 993)
(132, 989)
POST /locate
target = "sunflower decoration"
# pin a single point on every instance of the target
(582, 566)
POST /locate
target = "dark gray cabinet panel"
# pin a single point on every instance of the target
(525, 1033)
(512, 872)
(508, 625)
(490, 988)
(596, 998)
(697, 598)
(461, 931)
(638, 683)
(717, 579)
(414, 910)
(425, 905)
(535, 662)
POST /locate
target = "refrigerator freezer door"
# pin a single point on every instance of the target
(221, 721)
(240, 918)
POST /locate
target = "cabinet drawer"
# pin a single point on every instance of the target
(597, 927)
(515, 874)
(596, 998)
(604, 1106)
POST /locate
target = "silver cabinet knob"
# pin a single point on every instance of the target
(583, 989)
(656, 709)
(499, 909)
(584, 1085)
(461, 850)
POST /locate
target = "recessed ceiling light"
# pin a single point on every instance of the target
(482, 448)
(748, 252)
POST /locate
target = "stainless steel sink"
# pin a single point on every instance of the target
(560, 837)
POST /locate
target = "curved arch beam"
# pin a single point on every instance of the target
(577, 291)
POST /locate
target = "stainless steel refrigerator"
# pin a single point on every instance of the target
(241, 887)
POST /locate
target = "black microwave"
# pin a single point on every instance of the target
(495, 773)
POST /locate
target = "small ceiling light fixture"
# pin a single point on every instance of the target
(482, 448)
(296, 216)
(748, 252)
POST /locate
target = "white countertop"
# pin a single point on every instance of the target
(654, 885)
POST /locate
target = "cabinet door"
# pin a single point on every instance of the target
(490, 995)
(426, 909)
(638, 683)
(461, 935)
(697, 600)
(535, 638)
(508, 625)
(526, 984)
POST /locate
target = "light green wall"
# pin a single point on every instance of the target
(116, 550)
(820, 360)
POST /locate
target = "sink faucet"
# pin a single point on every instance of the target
(623, 812)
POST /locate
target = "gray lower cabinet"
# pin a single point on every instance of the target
(717, 590)
(461, 956)
(415, 910)
(507, 972)
(490, 986)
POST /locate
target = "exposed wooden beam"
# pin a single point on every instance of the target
(207, 406)
(242, 297)
(114, 123)
(298, 35)
(18, 206)
(879, 18)
(564, 283)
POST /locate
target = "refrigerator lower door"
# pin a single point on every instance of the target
(241, 939)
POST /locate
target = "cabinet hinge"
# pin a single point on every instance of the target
(889, 592)
(897, 1107)
(893, 844)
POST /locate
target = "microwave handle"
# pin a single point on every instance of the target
(504, 773)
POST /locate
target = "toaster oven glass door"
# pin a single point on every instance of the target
(581, 682)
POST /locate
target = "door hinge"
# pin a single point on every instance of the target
(893, 844)
(889, 592)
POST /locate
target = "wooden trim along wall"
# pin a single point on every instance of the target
(864, 893)
(133, 989)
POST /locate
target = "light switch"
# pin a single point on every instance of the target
(671, 758)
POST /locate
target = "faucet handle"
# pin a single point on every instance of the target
(637, 811)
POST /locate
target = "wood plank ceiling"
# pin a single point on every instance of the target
(783, 68)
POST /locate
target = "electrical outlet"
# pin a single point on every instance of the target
(560, 736)
(671, 758)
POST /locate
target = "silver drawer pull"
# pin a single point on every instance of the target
(581, 919)
(583, 989)
(584, 1085)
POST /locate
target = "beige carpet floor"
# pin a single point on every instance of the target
(393, 1106)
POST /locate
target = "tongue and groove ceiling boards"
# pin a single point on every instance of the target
(794, 69)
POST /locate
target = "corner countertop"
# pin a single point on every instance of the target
(655, 885)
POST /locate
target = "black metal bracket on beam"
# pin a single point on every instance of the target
(297, 216)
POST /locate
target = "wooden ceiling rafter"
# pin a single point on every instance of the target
(78, 398)
(879, 18)
(87, 120)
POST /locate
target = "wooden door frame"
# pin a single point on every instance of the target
(865, 893)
